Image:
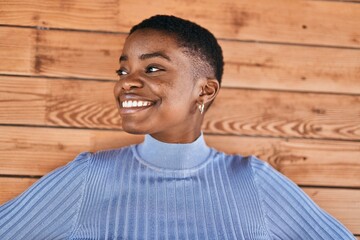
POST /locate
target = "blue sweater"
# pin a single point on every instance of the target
(157, 190)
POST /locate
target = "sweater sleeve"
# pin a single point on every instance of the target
(48, 209)
(289, 212)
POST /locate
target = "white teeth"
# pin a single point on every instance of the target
(129, 104)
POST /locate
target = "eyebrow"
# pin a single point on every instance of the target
(154, 55)
(145, 56)
(123, 58)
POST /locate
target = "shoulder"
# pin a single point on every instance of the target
(249, 163)
(289, 211)
(112, 154)
(105, 160)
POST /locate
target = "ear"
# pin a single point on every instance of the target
(209, 90)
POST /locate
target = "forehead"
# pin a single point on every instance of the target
(150, 40)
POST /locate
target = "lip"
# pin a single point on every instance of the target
(131, 96)
(131, 110)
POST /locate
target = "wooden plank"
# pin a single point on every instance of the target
(351, 1)
(74, 14)
(284, 114)
(236, 111)
(306, 162)
(12, 187)
(36, 151)
(283, 67)
(343, 204)
(23, 100)
(86, 55)
(16, 51)
(57, 102)
(59, 53)
(247, 65)
(310, 22)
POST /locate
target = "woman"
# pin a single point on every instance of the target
(171, 186)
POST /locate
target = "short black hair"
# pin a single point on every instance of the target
(201, 44)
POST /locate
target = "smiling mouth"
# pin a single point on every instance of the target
(135, 104)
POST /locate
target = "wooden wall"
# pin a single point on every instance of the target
(291, 89)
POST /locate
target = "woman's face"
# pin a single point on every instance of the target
(157, 93)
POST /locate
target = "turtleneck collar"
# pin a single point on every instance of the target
(174, 156)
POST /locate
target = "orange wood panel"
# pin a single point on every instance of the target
(59, 53)
(36, 151)
(284, 114)
(248, 65)
(305, 161)
(343, 204)
(79, 54)
(291, 68)
(309, 22)
(276, 20)
(40, 101)
(12, 187)
(23, 100)
(16, 52)
(90, 104)
(74, 14)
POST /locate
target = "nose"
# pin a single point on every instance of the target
(127, 84)
(131, 82)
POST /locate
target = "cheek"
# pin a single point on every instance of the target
(176, 92)
(179, 103)
(117, 88)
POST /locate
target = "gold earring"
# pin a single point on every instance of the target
(201, 108)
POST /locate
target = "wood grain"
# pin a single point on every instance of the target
(90, 104)
(12, 187)
(306, 162)
(37, 151)
(294, 21)
(16, 53)
(276, 21)
(291, 68)
(343, 204)
(284, 114)
(74, 14)
(54, 102)
(247, 65)
(60, 53)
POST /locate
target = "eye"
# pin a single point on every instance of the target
(152, 69)
(121, 72)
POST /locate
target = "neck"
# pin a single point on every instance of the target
(175, 156)
(186, 136)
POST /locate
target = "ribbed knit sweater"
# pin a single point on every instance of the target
(156, 190)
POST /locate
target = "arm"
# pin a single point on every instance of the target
(48, 209)
(289, 212)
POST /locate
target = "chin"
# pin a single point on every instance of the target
(134, 130)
